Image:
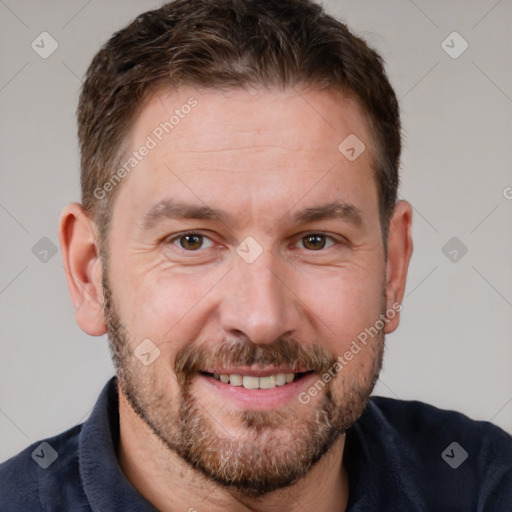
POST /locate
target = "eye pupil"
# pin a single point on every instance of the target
(191, 241)
(314, 242)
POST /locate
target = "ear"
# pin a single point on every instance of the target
(82, 264)
(399, 255)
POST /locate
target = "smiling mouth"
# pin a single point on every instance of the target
(255, 382)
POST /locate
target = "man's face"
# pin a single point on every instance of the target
(246, 244)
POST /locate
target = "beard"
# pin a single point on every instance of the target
(273, 449)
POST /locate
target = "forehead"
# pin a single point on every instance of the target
(268, 147)
(207, 120)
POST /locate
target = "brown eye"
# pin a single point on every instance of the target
(314, 242)
(191, 242)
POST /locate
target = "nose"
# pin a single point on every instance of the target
(258, 302)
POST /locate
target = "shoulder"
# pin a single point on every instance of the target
(446, 451)
(45, 472)
(417, 421)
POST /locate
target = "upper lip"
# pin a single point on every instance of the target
(254, 371)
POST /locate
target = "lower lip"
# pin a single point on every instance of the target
(259, 399)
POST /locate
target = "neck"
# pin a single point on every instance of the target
(170, 484)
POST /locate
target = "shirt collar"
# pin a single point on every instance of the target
(105, 484)
(374, 462)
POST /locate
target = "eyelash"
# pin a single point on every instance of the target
(175, 240)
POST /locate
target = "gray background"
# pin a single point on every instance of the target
(453, 347)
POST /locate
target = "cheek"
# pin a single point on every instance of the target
(162, 305)
(343, 306)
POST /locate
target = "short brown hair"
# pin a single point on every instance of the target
(228, 43)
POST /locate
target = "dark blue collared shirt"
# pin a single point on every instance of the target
(400, 456)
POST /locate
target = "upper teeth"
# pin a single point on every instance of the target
(250, 382)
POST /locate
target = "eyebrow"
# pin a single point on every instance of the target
(333, 210)
(169, 209)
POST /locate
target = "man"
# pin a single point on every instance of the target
(240, 241)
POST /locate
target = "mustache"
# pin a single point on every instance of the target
(286, 352)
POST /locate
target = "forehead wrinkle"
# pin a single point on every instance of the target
(252, 148)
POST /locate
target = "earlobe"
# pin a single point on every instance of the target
(400, 248)
(82, 264)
